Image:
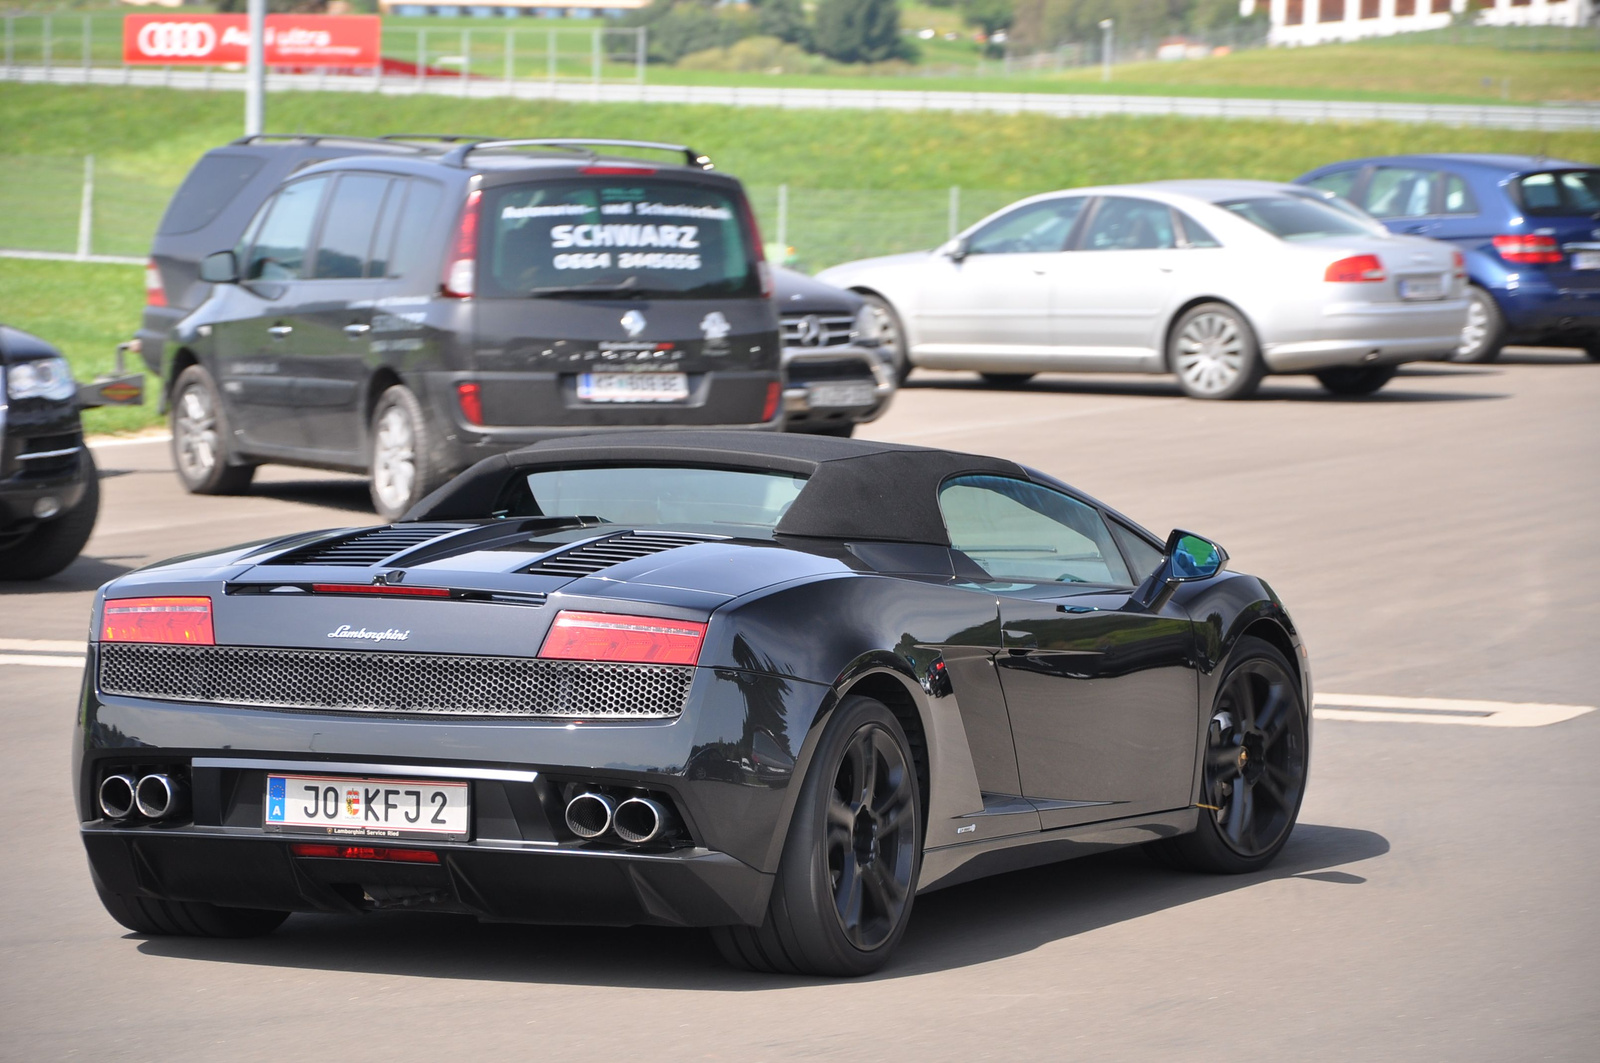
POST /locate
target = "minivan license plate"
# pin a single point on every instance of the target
(633, 387)
(364, 807)
(1429, 286)
(1586, 260)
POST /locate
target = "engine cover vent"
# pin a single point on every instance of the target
(592, 557)
(365, 548)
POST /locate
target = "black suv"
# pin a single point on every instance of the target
(412, 307)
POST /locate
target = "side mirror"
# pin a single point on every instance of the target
(1187, 557)
(956, 249)
(220, 268)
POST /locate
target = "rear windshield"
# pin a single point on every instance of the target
(623, 236)
(655, 494)
(1560, 192)
(1294, 218)
(210, 187)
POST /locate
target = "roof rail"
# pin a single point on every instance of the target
(444, 138)
(318, 138)
(458, 156)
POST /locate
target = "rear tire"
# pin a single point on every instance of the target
(402, 466)
(52, 546)
(1006, 380)
(202, 438)
(1356, 380)
(158, 918)
(1213, 352)
(892, 335)
(844, 888)
(1254, 768)
(1592, 349)
(1484, 334)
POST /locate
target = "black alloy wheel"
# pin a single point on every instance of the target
(1592, 349)
(844, 889)
(1356, 380)
(1254, 771)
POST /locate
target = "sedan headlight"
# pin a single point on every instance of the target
(869, 326)
(43, 378)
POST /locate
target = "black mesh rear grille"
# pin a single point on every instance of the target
(398, 683)
(365, 548)
(592, 557)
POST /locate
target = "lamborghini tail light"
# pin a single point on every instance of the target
(1357, 269)
(460, 272)
(394, 589)
(1529, 250)
(182, 621)
(621, 638)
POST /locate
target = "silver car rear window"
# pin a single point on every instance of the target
(1294, 218)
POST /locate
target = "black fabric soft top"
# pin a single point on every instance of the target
(855, 489)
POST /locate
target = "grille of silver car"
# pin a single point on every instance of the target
(814, 330)
(396, 683)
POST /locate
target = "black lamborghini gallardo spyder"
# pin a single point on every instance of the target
(772, 685)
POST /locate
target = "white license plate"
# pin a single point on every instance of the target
(826, 395)
(1586, 260)
(1427, 287)
(365, 807)
(633, 387)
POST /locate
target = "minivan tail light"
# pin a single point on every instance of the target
(1458, 262)
(618, 637)
(181, 621)
(471, 399)
(619, 171)
(460, 270)
(155, 293)
(1529, 250)
(1357, 269)
(768, 285)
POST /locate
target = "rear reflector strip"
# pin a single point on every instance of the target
(381, 588)
(626, 639)
(185, 621)
(363, 852)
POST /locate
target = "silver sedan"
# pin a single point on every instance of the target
(1218, 282)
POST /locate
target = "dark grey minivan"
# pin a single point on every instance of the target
(411, 310)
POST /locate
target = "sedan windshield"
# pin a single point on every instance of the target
(656, 494)
(1294, 218)
(622, 237)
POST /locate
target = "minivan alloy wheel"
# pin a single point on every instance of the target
(1210, 352)
(195, 427)
(1476, 328)
(394, 458)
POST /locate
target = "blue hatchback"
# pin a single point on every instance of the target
(1529, 228)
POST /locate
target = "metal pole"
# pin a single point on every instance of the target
(639, 51)
(466, 58)
(46, 46)
(783, 218)
(1106, 31)
(255, 70)
(86, 208)
(955, 211)
(550, 39)
(86, 47)
(510, 50)
(422, 58)
(11, 42)
(595, 48)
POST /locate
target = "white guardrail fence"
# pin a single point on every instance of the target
(1547, 117)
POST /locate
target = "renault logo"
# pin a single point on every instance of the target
(808, 331)
(634, 322)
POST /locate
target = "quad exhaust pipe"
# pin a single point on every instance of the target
(635, 820)
(638, 820)
(155, 796)
(589, 814)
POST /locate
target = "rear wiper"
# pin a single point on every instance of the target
(585, 289)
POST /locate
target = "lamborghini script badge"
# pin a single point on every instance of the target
(345, 631)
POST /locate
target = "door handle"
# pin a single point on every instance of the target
(355, 329)
(278, 332)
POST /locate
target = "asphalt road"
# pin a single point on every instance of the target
(1438, 900)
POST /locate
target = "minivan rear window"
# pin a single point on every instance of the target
(624, 236)
(1560, 192)
(210, 186)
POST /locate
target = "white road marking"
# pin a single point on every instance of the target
(1378, 708)
(43, 646)
(39, 661)
(42, 653)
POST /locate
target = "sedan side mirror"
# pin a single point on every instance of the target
(1187, 557)
(219, 268)
(957, 249)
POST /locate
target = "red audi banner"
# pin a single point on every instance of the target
(214, 40)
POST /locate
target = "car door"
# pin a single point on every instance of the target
(332, 323)
(1101, 694)
(1405, 198)
(994, 295)
(256, 348)
(1110, 296)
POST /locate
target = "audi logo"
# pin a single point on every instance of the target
(177, 40)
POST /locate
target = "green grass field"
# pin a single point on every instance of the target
(879, 186)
